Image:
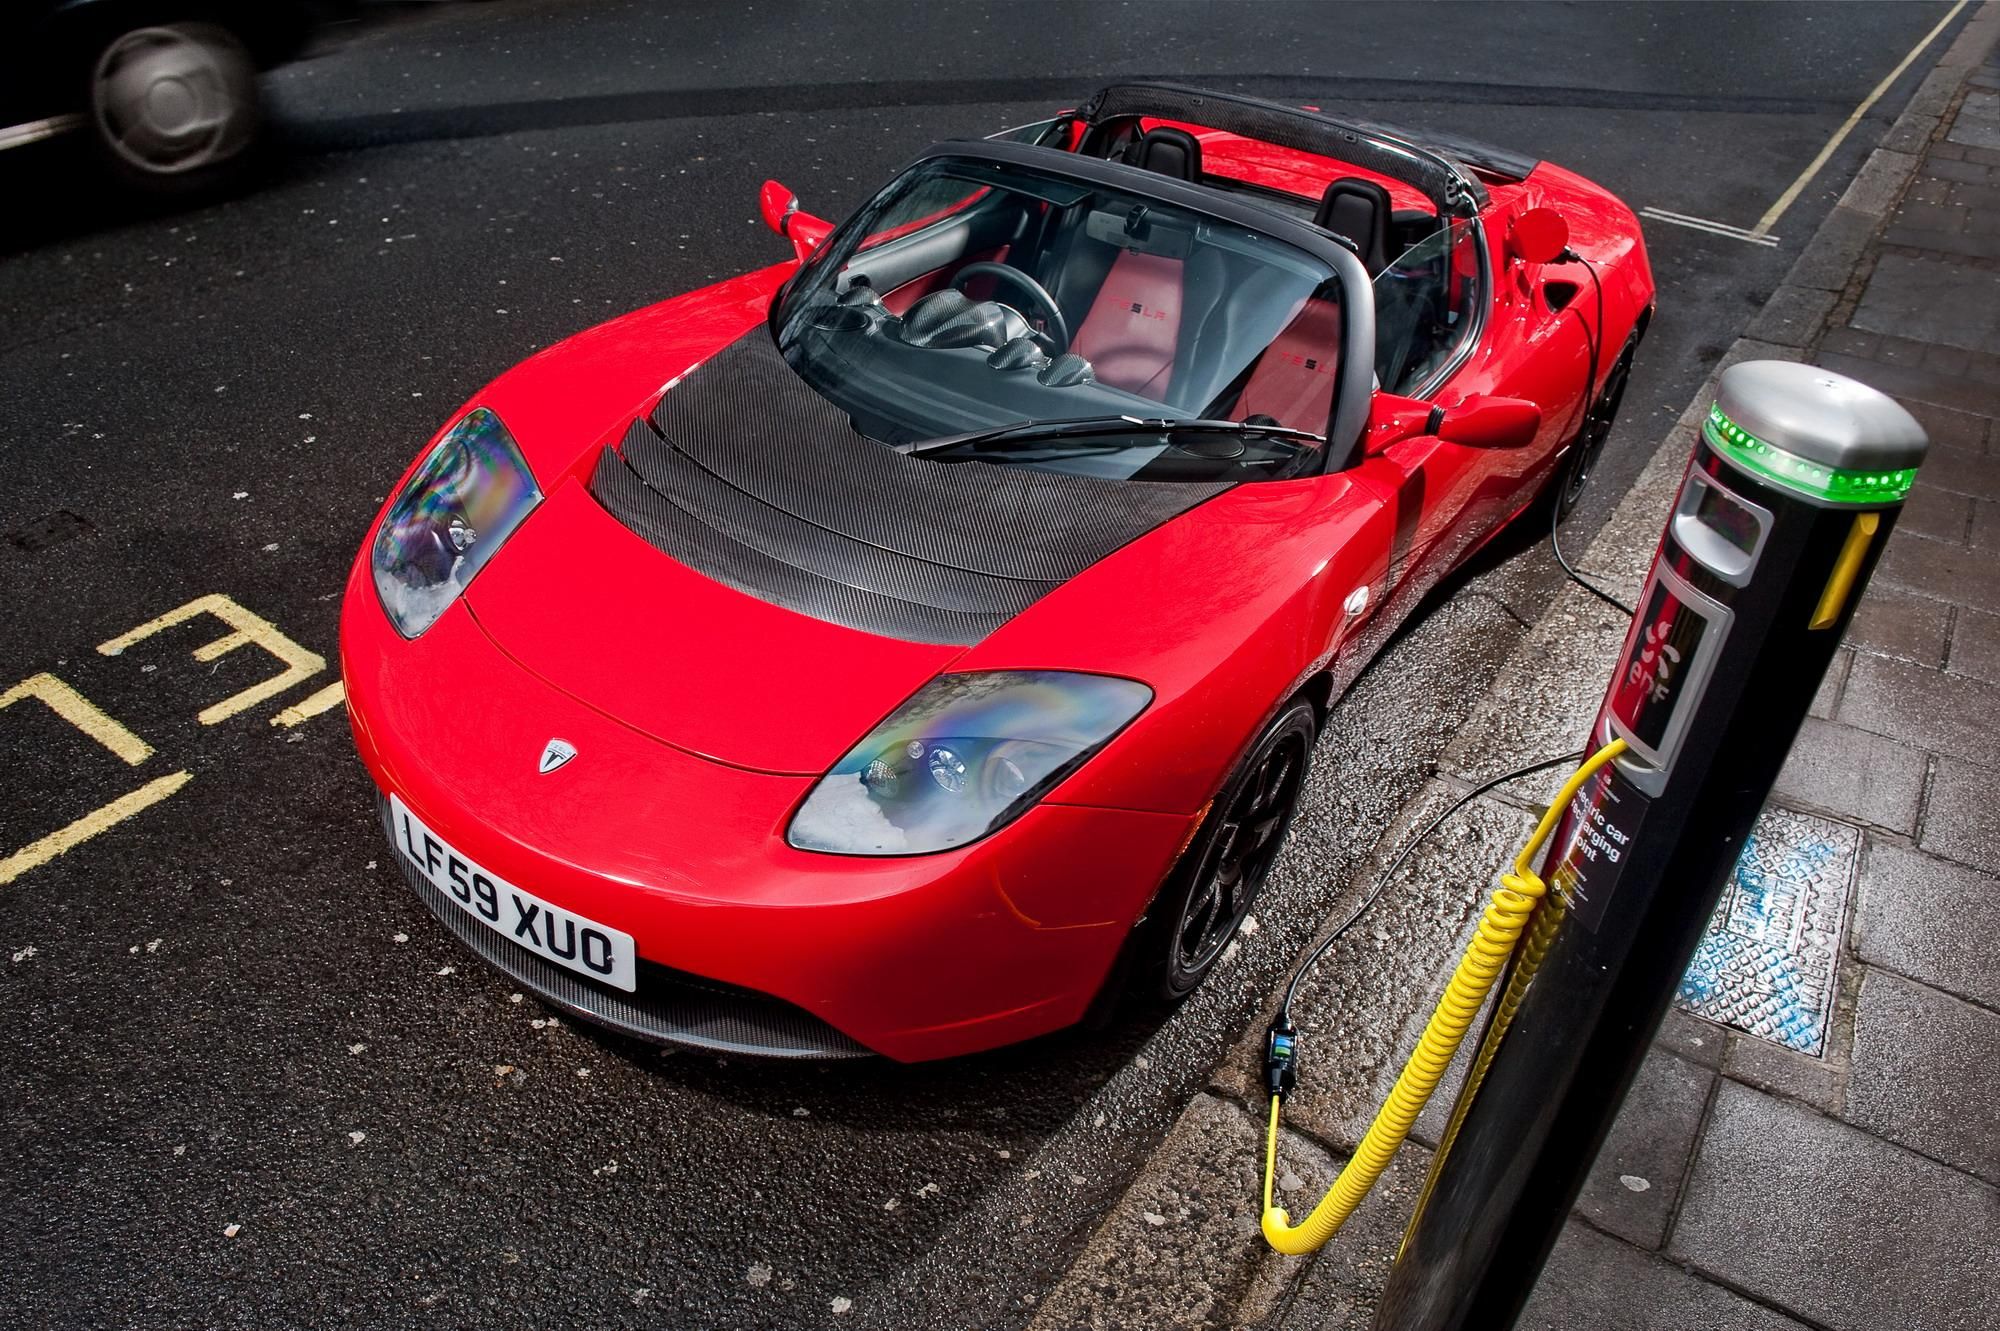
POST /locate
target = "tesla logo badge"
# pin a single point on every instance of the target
(555, 754)
(1357, 601)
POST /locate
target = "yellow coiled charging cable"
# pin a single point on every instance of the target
(1500, 929)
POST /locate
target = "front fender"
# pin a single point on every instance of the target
(1222, 612)
(566, 401)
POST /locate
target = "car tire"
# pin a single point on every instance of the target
(1220, 875)
(1584, 454)
(173, 109)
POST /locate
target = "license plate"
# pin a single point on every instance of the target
(545, 929)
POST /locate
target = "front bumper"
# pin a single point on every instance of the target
(745, 943)
(667, 1007)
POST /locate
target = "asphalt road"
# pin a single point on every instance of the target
(247, 1079)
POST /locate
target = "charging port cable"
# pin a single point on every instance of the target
(1500, 929)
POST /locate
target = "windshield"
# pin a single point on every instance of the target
(972, 295)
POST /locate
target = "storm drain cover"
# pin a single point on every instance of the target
(1766, 963)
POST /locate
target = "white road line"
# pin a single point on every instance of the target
(17, 136)
(1785, 200)
(1666, 216)
(1703, 224)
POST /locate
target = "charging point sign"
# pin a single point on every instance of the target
(1669, 655)
(1656, 668)
(1604, 819)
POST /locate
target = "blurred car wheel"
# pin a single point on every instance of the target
(174, 108)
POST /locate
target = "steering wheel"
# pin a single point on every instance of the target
(1045, 304)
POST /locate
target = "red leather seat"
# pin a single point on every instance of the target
(1134, 326)
(1293, 380)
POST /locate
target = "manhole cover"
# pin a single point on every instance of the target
(1766, 963)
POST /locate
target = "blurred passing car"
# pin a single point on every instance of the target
(166, 90)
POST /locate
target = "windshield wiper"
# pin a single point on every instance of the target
(1085, 427)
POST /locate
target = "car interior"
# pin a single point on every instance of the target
(1123, 305)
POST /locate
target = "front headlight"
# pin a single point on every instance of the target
(966, 755)
(466, 498)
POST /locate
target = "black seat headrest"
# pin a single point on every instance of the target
(1171, 152)
(1360, 210)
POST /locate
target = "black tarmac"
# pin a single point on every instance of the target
(247, 1080)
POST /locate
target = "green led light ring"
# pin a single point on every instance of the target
(1837, 485)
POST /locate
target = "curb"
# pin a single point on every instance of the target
(1192, 1210)
(1829, 274)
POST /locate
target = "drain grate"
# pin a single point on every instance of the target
(1766, 963)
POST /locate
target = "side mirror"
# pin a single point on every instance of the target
(1392, 418)
(780, 208)
(777, 204)
(1539, 235)
(1490, 422)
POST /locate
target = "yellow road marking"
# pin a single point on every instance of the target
(249, 627)
(83, 829)
(1785, 200)
(82, 713)
(326, 699)
(229, 642)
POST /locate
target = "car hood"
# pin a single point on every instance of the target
(581, 601)
(744, 472)
(747, 577)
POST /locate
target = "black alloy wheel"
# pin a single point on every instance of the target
(1589, 446)
(1222, 872)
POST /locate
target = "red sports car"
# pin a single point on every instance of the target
(900, 647)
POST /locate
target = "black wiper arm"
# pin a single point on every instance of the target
(1085, 426)
(1204, 426)
(1072, 427)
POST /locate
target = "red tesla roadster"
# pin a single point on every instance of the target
(900, 647)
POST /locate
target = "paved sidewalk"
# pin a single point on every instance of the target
(1841, 1168)
(1857, 1189)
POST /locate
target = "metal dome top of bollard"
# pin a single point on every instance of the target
(1826, 436)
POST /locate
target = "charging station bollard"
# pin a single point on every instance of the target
(1791, 494)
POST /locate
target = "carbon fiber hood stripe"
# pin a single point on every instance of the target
(744, 473)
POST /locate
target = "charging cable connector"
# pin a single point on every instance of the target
(1281, 1053)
